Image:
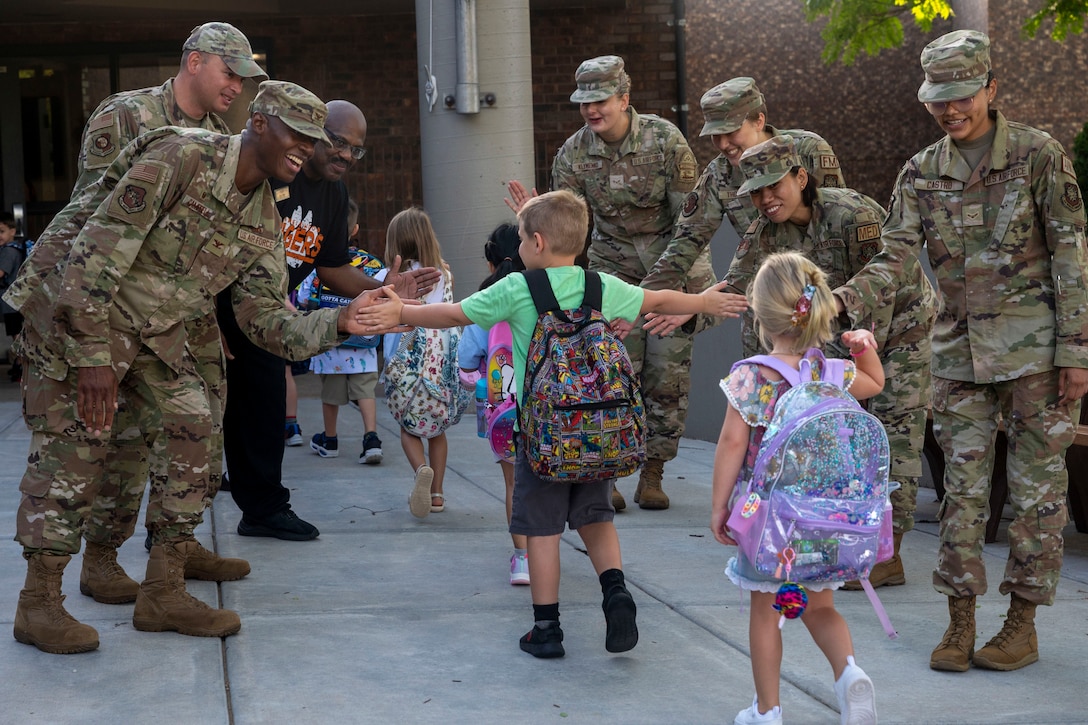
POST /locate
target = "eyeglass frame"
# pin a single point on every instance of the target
(962, 105)
(339, 143)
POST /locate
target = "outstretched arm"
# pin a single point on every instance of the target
(713, 301)
(728, 459)
(870, 377)
(388, 311)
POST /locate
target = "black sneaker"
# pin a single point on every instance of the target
(147, 540)
(372, 449)
(283, 524)
(621, 633)
(325, 446)
(544, 643)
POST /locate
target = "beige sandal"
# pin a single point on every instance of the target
(440, 506)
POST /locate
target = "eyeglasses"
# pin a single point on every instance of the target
(339, 144)
(962, 105)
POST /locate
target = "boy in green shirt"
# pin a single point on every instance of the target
(553, 228)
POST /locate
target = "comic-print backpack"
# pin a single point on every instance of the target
(581, 411)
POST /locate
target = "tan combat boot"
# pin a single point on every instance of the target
(163, 604)
(1016, 645)
(41, 619)
(210, 567)
(648, 494)
(103, 578)
(957, 646)
(617, 499)
(885, 574)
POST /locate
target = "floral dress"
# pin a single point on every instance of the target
(754, 396)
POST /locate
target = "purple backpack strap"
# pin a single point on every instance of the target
(788, 374)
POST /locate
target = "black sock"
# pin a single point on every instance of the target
(611, 579)
(545, 614)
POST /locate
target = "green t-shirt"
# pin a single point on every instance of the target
(509, 300)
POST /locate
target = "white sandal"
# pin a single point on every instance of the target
(437, 508)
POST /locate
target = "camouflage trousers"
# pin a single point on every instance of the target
(116, 508)
(965, 422)
(163, 412)
(664, 367)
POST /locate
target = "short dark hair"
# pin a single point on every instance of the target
(7, 219)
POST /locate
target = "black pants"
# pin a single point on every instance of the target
(253, 420)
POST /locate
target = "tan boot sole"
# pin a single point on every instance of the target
(147, 625)
(21, 636)
(987, 664)
(103, 599)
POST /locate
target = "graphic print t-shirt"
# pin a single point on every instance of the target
(315, 224)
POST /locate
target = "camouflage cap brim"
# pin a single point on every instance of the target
(603, 93)
(306, 128)
(951, 91)
(756, 183)
(246, 68)
(720, 126)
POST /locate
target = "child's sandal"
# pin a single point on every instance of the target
(440, 506)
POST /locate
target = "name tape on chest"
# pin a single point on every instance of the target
(587, 166)
(281, 194)
(199, 207)
(257, 240)
(1000, 177)
(829, 244)
(937, 185)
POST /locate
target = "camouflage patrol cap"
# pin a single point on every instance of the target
(767, 162)
(295, 106)
(598, 79)
(726, 105)
(956, 66)
(229, 43)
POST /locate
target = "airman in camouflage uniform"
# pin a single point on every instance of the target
(634, 179)
(1003, 222)
(183, 214)
(216, 57)
(841, 237)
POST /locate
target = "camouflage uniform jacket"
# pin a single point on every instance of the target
(150, 247)
(118, 120)
(1006, 242)
(841, 238)
(715, 198)
(634, 191)
(124, 116)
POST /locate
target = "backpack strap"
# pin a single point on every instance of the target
(878, 608)
(788, 374)
(540, 287)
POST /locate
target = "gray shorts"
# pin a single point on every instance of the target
(338, 389)
(542, 508)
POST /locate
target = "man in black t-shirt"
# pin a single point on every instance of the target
(314, 208)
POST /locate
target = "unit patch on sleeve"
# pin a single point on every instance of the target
(1071, 197)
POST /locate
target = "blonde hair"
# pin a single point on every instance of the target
(411, 235)
(779, 286)
(561, 217)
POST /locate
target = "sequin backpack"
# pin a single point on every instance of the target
(581, 411)
(818, 495)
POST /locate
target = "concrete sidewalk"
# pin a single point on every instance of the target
(390, 619)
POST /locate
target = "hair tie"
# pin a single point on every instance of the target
(799, 318)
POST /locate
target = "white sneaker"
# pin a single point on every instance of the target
(752, 715)
(857, 698)
(519, 569)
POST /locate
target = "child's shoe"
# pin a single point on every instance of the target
(621, 632)
(372, 449)
(419, 502)
(324, 446)
(857, 699)
(544, 643)
(292, 434)
(519, 569)
(752, 715)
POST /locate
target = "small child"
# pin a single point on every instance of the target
(501, 253)
(794, 310)
(348, 372)
(411, 237)
(553, 228)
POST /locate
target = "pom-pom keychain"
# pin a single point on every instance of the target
(791, 598)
